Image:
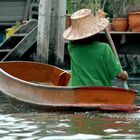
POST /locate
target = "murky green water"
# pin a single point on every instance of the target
(31, 125)
(74, 126)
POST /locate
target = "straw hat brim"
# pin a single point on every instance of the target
(77, 34)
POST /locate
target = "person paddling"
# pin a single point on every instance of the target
(92, 62)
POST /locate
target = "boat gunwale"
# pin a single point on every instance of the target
(65, 87)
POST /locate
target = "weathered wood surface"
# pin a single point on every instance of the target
(20, 42)
(14, 10)
(51, 24)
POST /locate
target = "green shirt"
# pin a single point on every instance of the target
(92, 63)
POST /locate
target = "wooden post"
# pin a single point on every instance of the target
(27, 9)
(58, 27)
(44, 18)
(51, 25)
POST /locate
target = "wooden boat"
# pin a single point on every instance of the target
(45, 87)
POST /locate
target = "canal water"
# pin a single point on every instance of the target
(20, 124)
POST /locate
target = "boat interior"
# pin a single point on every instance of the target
(36, 72)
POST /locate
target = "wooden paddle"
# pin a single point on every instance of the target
(107, 33)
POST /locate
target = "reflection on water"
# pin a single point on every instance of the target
(32, 125)
(74, 126)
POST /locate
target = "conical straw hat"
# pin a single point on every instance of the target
(84, 24)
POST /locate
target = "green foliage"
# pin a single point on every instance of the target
(134, 5)
(94, 5)
(114, 8)
(120, 8)
(69, 7)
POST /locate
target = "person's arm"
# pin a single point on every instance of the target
(123, 75)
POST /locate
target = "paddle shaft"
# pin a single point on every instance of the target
(114, 50)
(111, 43)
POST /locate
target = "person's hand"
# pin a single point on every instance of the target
(123, 75)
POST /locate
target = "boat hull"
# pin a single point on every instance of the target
(20, 88)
